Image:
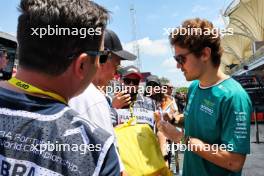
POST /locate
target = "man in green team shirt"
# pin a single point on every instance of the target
(217, 115)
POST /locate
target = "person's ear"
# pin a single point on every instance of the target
(79, 65)
(206, 55)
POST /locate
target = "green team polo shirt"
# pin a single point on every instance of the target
(217, 115)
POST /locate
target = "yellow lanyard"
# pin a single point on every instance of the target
(32, 89)
(131, 110)
(132, 119)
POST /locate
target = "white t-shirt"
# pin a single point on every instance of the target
(93, 105)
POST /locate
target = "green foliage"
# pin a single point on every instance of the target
(182, 89)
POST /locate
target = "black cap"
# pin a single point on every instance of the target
(153, 78)
(129, 70)
(112, 42)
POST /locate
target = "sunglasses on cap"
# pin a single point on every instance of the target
(103, 55)
(181, 58)
(127, 81)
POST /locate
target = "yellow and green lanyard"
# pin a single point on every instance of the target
(132, 118)
(131, 110)
(32, 89)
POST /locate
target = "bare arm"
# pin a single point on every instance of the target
(222, 158)
(228, 160)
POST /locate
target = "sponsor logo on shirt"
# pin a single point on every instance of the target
(207, 107)
(241, 130)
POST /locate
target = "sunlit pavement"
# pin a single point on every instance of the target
(254, 165)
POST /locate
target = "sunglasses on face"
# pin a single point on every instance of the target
(181, 58)
(127, 81)
(103, 55)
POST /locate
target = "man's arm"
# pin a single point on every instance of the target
(228, 160)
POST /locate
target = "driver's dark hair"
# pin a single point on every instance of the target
(196, 42)
(49, 54)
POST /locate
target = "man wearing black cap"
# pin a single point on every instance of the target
(92, 103)
(107, 70)
(152, 85)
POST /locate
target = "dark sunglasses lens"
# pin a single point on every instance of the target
(180, 59)
(152, 84)
(127, 81)
(135, 81)
(103, 58)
